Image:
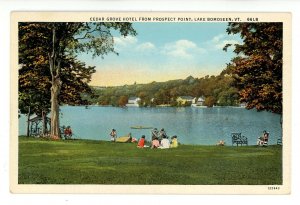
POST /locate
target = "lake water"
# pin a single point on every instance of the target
(192, 125)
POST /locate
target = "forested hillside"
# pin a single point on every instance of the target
(217, 90)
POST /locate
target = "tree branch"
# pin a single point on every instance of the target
(97, 28)
(85, 35)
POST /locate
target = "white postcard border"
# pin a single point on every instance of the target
(152, 189)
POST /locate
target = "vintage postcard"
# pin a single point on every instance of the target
(150, 102)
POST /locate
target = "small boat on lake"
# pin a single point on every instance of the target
(141, 127)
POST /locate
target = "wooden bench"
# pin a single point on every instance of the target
(237, 139)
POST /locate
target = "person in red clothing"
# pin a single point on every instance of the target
(141, 142)
(68, 133)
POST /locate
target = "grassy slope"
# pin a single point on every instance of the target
(98, 162)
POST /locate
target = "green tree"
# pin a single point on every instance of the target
(34, 92)
(61, 40)
(257, 69)
(103, 100)
(35, 82)
(75, 76)
(210, 101)
(123, 101)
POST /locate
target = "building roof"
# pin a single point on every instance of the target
(134, 98)
(37, 118)
(201, 99)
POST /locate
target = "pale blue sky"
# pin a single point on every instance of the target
(164, 51)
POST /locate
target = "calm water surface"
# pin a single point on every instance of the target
(192, 125)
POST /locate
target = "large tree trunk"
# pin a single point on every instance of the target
(54, 62)
(55, 90)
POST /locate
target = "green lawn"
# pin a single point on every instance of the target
(99, 162)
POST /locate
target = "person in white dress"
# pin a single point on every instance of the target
(165, 143)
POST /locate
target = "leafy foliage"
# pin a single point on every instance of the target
(123, 100)
(47, 56)
(35, 76)
(219, 88)
(257, 69)
(210, 101)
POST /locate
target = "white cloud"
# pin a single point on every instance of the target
(220, 41)
(131, 44)
(125, 41)
(182, 48)
(217, 38)
(145, 46)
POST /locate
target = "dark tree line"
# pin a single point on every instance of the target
(217, 90)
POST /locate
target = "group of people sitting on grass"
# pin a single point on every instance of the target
(161, 144)
(159, 139)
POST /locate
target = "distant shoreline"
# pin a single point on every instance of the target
(157, 106)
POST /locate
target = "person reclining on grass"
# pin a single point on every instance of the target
(141, 142)
(155, 143)
(165, 143)
(221, 143)
(133, 140)
(174, 142)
